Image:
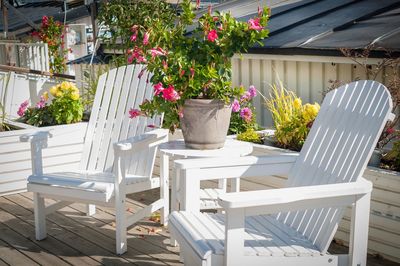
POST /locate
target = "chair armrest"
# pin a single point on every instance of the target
(38, 141)
(35, 136)
(295, 198)
(146, 140)
(247, 166)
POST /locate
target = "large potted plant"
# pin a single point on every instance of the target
(191, 63)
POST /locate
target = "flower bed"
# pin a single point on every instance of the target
(64, 153)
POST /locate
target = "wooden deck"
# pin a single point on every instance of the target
(74, 239)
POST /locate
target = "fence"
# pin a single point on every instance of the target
(307, 76)
(33, 56)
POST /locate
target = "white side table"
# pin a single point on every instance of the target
(177, 150)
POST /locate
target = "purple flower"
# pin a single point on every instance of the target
(252, 91)
(22, 108)
(246, 114)
(235, 106)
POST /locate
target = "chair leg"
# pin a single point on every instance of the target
(90, 209)
(40, 216)
(120, 226)
(164, 189)
(359, 231)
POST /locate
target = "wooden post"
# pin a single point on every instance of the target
(93, 15)
(5, 17)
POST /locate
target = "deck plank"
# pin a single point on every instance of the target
(21, 221)
(100, 230)
(92, 242)
(11, 256)
(27, 247)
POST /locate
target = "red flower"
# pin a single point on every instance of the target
(45, 21)
(212, 36)
(390, 131)
(134, 113)
(254, 24)
(170, 94)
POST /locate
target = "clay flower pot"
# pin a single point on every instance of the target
(205, 123)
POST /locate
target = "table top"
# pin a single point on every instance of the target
(232, 148)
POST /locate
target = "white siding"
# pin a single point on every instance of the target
(307, 76)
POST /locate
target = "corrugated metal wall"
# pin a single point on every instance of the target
(307, 76)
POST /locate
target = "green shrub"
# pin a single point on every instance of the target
(292, 119)
(250, 135)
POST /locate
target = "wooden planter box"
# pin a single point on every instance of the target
(384, 224)
(64, 153)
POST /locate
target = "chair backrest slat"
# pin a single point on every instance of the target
(119, 90)
(337, 150)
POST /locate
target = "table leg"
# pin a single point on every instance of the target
(164, 188)
(235, 184)
(174, 198)
(190, 193)
(222, 184)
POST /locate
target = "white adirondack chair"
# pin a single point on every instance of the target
(292, 225)
(117, 157)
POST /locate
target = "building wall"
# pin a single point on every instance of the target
(307, 76)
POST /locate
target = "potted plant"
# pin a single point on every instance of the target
(192, 70)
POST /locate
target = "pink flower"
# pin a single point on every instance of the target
(212, 36)
(254, 24)
(165, 64)
(235, 106)
(157, 51)
(158, 88)
(134, 113)
(146, 38)
(252, 91)
(191, 72)
(180, 114)
(170, 94)
(22, 108)
(134, 37)
(182, 72)
(246, 96)
(41, 103)
(137, 54)
(246, 114)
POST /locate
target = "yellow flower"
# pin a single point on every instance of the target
(75, 96)
(297, 103)
(45, 95)
(66, 86)
(53, 90)
(74, 89)
(59, 93)
(310, 111)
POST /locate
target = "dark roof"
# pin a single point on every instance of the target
(35, 11)
(324, 26)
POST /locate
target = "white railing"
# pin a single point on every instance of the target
(33, 56)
